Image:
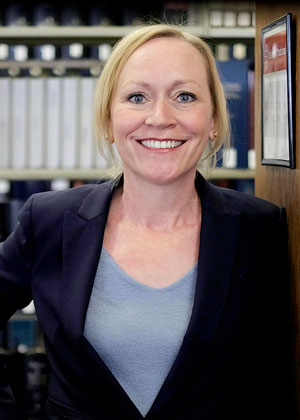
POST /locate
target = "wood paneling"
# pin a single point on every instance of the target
(276, 184)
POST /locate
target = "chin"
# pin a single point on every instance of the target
(164, 176)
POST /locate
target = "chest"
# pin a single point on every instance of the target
(154, 258)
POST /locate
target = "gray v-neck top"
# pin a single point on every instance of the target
(138, 330)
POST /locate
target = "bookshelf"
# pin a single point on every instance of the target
(88, 174)
(22, 324)
(92, 34)
(89, 35)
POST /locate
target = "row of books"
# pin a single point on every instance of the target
(90, 12)
(28, 374)
(46, 122)
(22, 333)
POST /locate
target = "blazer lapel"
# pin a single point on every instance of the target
(219, 234)
(82, 242)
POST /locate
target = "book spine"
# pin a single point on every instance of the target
(69, 122)
(5, 123)
(53, 122)
(36, 122)
(234, 77)
(86, 139)
(19, 122)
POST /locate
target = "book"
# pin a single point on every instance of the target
(43, 14)
(70, 112)
(4, 209)
(20, 191)
(36, 122)
(36, 379)
(19, 122)
(53, 118)
(234, 78)
(5, 123)
(70, 16)
(16, 15)
(22, 334)
(86, 139)
(251, 146)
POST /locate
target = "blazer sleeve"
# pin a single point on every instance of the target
(15, 266)
(15, 272)
(272, 324)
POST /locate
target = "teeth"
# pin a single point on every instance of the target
(155, 144)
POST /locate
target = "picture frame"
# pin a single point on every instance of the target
(277, 108)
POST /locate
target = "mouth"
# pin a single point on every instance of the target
(161, 144)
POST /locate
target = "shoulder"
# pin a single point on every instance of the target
(53, 204)
(247, 204)
(69, 199)
(223, 201)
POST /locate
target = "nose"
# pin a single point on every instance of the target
(160, 114)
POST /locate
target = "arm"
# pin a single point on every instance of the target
(15, 272)
(271, 325)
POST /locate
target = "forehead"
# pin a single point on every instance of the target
(165, 54)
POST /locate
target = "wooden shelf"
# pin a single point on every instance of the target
(86, 174)
(92, 34)
(232, 174)
(73, 64)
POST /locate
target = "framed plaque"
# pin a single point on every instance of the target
(277, 94)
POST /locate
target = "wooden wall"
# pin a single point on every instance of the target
(277, 184)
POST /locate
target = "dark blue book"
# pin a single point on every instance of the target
(99, 15)
(234, 78)
(70, 15)
(36, 379)
(22, 334)
(44, 14)
(16, 14)
(4, 209)
(243, 185)
(20, 191)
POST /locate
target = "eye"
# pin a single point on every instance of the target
(186, 97)
(136, 98)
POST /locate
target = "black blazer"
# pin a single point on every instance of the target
(234, 360)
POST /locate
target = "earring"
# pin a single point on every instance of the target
(215, 134)
(108, 139)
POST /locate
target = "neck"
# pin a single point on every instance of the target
(159, 207)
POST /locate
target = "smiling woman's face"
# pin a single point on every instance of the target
(161, 112)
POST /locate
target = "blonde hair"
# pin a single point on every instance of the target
(110, 74)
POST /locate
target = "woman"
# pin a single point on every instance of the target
(160, 295)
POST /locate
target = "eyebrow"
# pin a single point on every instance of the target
(176, 83)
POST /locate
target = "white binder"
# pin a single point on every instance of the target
(5, 124)
(53, 122)
(70, 123)
(36, 122)
(19, 125)
(86, 140)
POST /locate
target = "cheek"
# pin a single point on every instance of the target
(125, 122)
(200, 126)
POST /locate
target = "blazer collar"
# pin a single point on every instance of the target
(98, 200)
(82, 241)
